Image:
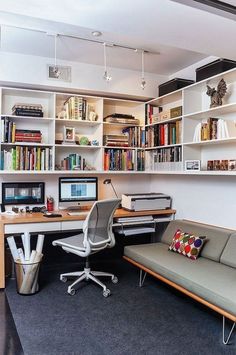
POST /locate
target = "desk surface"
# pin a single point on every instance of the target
(39, 218)
(25, 218)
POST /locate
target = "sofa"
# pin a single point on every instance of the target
(210, 279)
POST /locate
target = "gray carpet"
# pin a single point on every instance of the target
(150, 320)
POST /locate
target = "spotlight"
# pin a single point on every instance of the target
(106, 76)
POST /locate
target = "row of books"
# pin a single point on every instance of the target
(157, 159)
(136, 136)
(164, 134)
(150, 112)
(27, 158)
(213, 128)
(73, 162)
(32, 110)
(119, 159)
(76, 108)
(10, 134)
(140, 160)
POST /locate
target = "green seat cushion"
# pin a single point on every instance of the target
(212, 281)
(228, 257)
(216, 237)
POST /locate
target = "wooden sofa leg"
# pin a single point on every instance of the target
(225, 342)
(142, 276)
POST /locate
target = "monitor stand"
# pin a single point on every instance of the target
(75, 208)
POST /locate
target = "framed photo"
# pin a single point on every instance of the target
(192, 165)
(69, 134)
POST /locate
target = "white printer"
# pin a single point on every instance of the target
(146, 201)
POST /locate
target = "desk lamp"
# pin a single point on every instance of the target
(107, 182)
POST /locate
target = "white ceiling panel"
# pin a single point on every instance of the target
(183, 35)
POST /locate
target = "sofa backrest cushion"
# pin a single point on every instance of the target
(216, 237)
(228, 257)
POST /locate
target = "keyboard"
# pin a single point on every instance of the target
(78, 213)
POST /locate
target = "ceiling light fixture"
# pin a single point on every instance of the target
(143, 81)
(106, 76)
(96, 33)
(56, 70)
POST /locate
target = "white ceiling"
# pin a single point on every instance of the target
(183, 35)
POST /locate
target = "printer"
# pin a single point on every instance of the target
(146, 201)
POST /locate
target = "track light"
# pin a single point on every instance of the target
(56, 70)
(143, 81)
(106, 76)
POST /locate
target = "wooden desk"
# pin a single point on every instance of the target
(36, 222)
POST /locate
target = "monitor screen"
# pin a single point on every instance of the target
(78, 189)
(21, 193)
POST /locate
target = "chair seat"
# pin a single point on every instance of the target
(76, 241)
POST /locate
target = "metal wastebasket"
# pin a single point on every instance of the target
(27, 277)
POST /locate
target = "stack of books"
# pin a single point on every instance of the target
(28, 135)
(32, 110)
(116, 140)
(122, 119)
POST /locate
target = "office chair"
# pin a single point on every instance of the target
(97, 235)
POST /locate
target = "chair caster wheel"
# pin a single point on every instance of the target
(114, 280)
(106, 293)
(63, 278)
(71, 292)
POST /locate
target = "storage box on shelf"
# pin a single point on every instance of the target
(210, 133)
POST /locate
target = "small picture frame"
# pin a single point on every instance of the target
(69, 134)
(192, 165)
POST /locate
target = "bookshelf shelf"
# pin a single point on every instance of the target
(77, 122)
(27, 144)
(230, 140)
(37, 119)
(163, 146)
(113, 147)
(119, 125)
(77, 146)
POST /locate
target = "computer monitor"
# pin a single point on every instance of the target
(77, 191)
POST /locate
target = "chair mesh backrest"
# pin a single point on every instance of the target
(100, 219)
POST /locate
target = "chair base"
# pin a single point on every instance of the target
(87, 274)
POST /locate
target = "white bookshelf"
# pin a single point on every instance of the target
(53, 124)
(195, 109)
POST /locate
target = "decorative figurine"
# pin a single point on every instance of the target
(217, 95)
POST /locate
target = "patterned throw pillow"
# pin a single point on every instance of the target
(187, 244)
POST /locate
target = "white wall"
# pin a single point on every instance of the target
(207, 199)
(27, 69)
